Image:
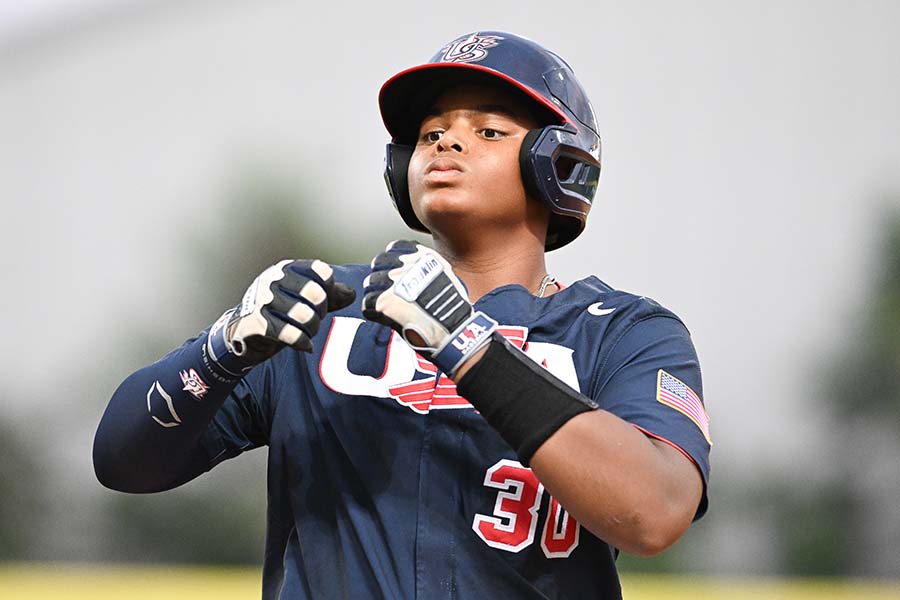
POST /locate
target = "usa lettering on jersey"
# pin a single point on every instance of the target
(415, 382)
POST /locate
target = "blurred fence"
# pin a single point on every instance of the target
(73, 582)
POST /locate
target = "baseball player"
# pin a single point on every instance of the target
(446, 422)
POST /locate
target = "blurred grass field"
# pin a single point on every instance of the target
(96, 582)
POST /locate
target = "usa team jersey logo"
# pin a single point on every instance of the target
(676, 394)
(469, 49)
(415, 382)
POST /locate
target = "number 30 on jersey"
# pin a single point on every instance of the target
(514, 522)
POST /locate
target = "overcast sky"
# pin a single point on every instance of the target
(18, 18)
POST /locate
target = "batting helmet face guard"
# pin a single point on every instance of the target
(560, 162)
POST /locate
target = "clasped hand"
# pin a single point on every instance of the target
(411, 289)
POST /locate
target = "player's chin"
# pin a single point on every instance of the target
(438, 205)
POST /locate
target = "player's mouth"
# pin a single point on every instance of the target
(442, 167)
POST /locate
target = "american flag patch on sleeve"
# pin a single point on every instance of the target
(676, 394)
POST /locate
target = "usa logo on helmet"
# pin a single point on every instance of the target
(469, 49)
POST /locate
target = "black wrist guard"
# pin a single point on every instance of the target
(519, 398)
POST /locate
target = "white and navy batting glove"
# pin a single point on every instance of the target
(283, 307)
(413, 290)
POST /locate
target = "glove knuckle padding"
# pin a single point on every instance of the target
(369, 301)
(312, 269)
(303, 308)
(403, 246)
(289, 334)
(282, 330)
(331, 295)
(305, 316)
(322, 269)
(283, 306)
(378, 279)
(279, 290)
(386, 261)
(315, 294)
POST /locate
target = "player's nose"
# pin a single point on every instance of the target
(451, 140)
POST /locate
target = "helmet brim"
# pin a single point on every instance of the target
(405, 97)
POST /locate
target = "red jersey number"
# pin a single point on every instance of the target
(513, 523)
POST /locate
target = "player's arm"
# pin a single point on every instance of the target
(637, 494)
(149, 438)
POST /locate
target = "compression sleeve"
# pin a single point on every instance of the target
(151, 436)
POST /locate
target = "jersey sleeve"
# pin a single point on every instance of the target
(650, 377)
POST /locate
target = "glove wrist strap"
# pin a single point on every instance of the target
(468, 338)
(219, 353)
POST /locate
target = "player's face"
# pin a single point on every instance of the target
(465, 167)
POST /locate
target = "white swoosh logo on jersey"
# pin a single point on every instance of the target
(595, 309)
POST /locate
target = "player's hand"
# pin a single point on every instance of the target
(283, 307)
(413, 290)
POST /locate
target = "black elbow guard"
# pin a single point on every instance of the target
(523, 401)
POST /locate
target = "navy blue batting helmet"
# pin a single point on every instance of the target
(560, 162)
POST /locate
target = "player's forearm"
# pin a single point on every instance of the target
(637, 494)
(148, 439)
(631, 491)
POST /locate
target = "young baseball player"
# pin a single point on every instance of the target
(448, 422)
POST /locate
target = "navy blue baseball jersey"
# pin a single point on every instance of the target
(384, 483)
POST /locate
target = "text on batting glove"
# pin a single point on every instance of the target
(413, 290)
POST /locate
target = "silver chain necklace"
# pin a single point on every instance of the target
(546, 281)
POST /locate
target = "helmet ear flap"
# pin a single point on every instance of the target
(559, 173)
(559, 227)
(526, 164)
(396, 167)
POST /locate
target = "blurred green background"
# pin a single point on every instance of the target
(157, 155)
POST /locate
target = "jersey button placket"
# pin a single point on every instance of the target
(434, 538)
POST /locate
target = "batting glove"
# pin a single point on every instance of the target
(283, 307)
(413, 290)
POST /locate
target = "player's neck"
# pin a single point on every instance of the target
(486, 266)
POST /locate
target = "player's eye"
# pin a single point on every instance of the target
(491, 134)
(432, 136)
